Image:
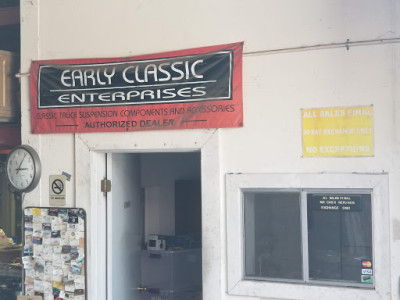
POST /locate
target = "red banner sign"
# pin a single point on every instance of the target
(195, 88)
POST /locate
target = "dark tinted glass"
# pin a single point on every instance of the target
(272, 235)
(339, 237)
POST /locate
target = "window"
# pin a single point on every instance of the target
(338, 237)
(291, 236)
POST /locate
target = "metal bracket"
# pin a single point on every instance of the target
(347, 44)
(19, 75)
(106, 185)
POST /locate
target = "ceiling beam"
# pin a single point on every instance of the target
(9, 16)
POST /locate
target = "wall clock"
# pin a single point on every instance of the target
(23, 169)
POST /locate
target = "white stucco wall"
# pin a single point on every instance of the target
(276, 86)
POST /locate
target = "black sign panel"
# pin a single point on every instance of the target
(329, 202)
(153, 81)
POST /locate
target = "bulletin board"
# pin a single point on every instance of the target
(54, 253)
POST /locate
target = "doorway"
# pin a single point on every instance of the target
(154, 226)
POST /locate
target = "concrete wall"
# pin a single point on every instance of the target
(276, 86)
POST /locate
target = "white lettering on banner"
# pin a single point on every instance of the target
(338, 131)
(133, 95)
(73, 78)
(360, 112)
(325, 207)
(364, 130)
(311, 149)
(310, 114)
(312, 131)
(332, 113)
(340, 149)
(151, 72)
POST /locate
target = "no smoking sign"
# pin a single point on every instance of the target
(57, 190)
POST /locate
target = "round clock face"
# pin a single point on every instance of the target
(23, 168)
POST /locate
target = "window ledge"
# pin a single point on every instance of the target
(280, 290)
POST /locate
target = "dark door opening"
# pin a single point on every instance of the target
(154, 226)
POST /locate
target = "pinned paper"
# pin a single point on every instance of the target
(36, 211)
(47, 287)
(58, 285)
(38, 285)
(27, 262)
(49, 296)
(29, 290)
(37, 219)
(70, 287)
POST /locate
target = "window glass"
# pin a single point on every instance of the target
(340, 237)
(272, 235)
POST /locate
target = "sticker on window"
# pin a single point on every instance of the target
(366, 264)
(366, 271)
(366, 279)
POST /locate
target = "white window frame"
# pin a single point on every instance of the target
(237, 285)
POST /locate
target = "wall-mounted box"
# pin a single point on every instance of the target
(170, 295)
(167, 270)
(9, 87)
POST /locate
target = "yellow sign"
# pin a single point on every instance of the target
(342, 131)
